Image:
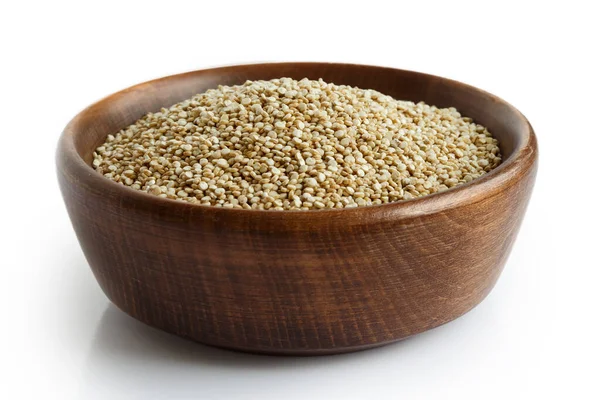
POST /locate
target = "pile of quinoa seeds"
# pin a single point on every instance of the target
(297, 145)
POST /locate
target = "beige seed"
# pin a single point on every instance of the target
(221, 162)
(312, 182)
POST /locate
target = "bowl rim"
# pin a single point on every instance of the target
(523, 157)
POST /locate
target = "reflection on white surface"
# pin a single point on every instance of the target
(105, 354)
(130, 360)
(133, 360)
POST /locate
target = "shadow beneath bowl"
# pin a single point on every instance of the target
(129, 359)
(133, 360)
(119, 335)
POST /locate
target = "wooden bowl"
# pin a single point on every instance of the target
(297, 282)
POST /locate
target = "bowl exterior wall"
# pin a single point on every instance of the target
(273, 286)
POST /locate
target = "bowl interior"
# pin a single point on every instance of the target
(117, 111)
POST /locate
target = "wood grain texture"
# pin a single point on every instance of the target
(297, 282)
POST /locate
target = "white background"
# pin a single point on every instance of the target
(535, 336)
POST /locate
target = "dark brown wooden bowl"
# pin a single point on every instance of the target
(297, 282)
